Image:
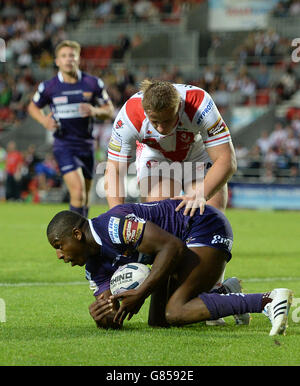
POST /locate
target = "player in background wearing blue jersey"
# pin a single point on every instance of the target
(75, 98)
(192, 249)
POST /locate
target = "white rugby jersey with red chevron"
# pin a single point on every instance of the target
(200, 126)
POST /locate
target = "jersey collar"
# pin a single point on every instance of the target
(95, 235)
(61, 79)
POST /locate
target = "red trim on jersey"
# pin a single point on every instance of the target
(135, 112)
(119, 155)
(193, 100)
(217, 139)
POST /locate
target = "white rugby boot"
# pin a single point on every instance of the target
(277, 310)
(233, 285)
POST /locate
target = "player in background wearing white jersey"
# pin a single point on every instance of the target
(75, 98)
(171, 123)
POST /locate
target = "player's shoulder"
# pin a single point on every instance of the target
(48, 84)
(195, 99)
(92, 80)
(133, 110)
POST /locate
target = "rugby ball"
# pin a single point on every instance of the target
(127, 277)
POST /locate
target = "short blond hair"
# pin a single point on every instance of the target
(159, 95)
(68, 43)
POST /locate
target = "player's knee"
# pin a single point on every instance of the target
(173, 316)
(78, 193)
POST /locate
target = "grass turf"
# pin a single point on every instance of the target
(47, 318)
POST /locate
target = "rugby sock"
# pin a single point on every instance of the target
(220, 305)
(79, 210)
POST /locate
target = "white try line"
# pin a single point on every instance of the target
(75, 283)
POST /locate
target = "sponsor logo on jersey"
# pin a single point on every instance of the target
(217, 239)
(133, 227)
(115, 144)
(205, 111)
(217, 128)
(151, 163)
(60, 100)
(113, 230)
(87, 95)
(119, 124)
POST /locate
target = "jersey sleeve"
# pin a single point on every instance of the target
(122, 144)
(132, 230)
(41, 97)
(100, 94)
(126, 231)
(210, 123)
(99, 279)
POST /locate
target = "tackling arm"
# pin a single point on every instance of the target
(224, 166)
(114, 182)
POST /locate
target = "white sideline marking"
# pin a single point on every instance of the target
(44, 284)
(70, 283)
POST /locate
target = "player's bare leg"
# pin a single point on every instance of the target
(88, 185)
(200, 270)
(75, 183)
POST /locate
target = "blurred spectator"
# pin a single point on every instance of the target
(294, 175)
(294, 8)
(263, 77)
(47, 174)
(268, 175)
(278, 135)
(122, 46)
(287, 84)
(242, 156)
(145, 10)
(104, 10)
(13, 169)
(264, 142)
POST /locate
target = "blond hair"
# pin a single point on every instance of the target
(159, 95)
(68, 43)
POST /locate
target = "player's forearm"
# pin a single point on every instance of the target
(103, 112)
(218, 175)
(114, 183)
(165, 262)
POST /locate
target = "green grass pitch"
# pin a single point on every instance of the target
(47, 318)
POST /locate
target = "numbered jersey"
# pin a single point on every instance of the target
(64, 100)
(200, 126)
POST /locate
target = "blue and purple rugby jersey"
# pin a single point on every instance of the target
(120, 231)
(64, 100)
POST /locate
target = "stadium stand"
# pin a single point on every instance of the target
(126, 41)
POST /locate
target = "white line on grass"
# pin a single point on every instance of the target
(44, 284)
(70, 283)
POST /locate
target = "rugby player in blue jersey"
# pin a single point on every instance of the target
(193, 250)
(75, 98)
